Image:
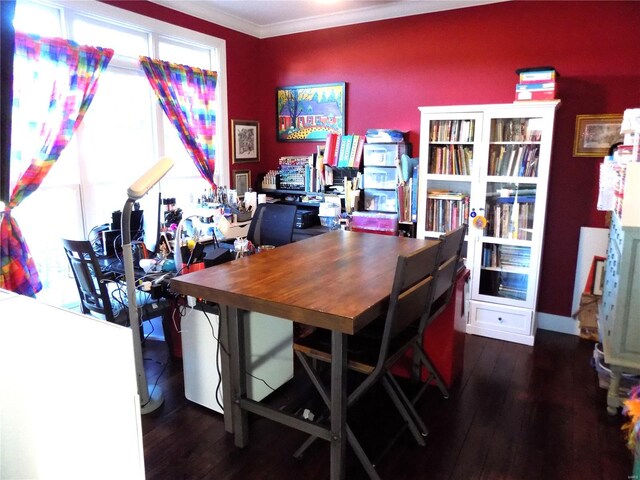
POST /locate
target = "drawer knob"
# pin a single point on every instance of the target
(500, 319)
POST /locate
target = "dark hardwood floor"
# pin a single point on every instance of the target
(515, 413)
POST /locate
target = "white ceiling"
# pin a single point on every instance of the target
(271, 18)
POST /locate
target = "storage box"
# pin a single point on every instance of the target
(381, 200)
(536, 91)
(384, 154)
(382, 223)
(376, 177)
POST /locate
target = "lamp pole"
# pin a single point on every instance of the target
(150, 400)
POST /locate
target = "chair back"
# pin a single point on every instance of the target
(411, 295)
(450, 248)
(92, 286)
(272, 224)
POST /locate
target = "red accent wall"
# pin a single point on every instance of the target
(466, 56)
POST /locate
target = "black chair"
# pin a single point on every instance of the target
(272, 224)
(373, 351)
(100, 294)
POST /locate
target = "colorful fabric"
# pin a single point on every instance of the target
(72, 83)
(188, 97)
(632, 427)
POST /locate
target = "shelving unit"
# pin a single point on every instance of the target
(488, 166)
(380, 175)
(619, 317)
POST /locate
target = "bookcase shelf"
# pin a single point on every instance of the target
(491, 162)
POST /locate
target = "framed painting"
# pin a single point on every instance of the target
(241, 182)
(246, 141)
(307, 113)
(595, 134)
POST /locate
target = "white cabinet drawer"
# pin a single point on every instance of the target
(501, 318)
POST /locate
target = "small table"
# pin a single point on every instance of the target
(340, 281)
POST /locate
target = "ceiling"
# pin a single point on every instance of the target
(271, 18)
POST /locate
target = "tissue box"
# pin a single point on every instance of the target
(328, 209)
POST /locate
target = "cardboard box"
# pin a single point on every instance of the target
(587, 315)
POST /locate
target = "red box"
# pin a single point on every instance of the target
(368, 222)
(536, 91)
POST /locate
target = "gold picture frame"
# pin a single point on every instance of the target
(595, 134)
(245, 145)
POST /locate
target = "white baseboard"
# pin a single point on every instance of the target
(557, 323)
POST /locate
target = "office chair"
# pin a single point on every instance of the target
(373, 351)
(96, 290)
(272, 224)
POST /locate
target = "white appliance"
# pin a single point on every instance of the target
(269, 353)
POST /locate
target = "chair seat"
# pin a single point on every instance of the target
(363, 349)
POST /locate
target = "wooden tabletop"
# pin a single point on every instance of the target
(339, 280)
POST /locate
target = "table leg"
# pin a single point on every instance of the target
(238, 378)
(225, 367)
(338, 404)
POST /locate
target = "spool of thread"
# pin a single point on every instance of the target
(262, 198)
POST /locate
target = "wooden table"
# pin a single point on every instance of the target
(340, 281)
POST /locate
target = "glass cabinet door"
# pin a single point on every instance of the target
(451, 149)
(506, 247)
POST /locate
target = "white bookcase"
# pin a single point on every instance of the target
(488, 165)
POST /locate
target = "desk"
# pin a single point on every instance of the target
(339, 281)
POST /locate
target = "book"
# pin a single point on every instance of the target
(330, 148)
(345, 148)
(359, 149)
(336, 151)
(352, 151)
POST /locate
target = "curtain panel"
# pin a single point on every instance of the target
(64, 76)
(188, 98)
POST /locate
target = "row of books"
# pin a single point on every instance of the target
(515, 130)
(514, 160)
(343, 150)
(303, 173)
(511, 220)
(452, 131)
(450, 159)
(446, 210)
(408, 198)
(505, 256)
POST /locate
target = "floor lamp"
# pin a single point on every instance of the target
(149, 400)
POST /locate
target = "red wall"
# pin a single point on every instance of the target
(466, 56)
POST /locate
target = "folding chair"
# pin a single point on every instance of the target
(378, 346)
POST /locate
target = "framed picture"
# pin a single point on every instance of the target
(241, 182)
(307, 113)
(246, 141)
(595, 134)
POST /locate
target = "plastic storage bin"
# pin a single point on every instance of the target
(382, 223)
(381, 200)
(384, 154)
(375, 177)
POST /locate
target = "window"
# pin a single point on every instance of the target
(123, 133)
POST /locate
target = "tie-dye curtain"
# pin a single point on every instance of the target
(187, 96)
(67, 74)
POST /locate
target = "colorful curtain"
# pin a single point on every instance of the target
(187, 96)
(70, 73)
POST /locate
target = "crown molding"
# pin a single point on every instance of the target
(383, 11)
